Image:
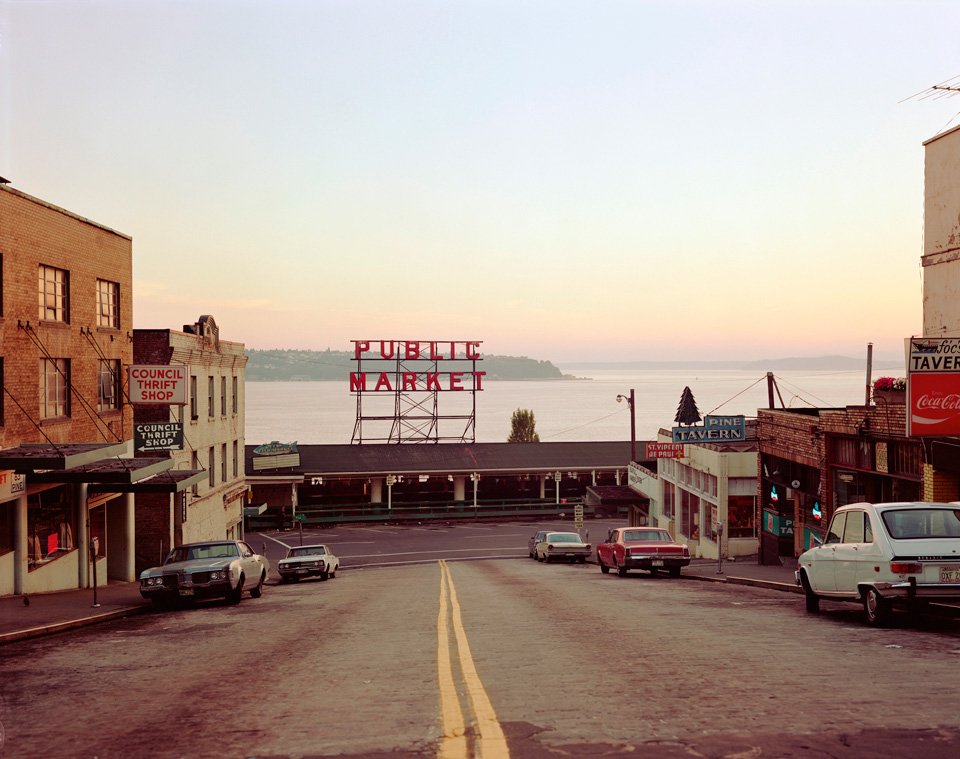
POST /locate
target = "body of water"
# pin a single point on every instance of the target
(565, 410)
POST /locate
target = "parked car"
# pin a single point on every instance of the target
(532, 543)
(566, 546)
(650, 548)
(218, 569)
(308, 561)
(884, 555)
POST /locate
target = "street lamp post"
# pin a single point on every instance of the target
(633, 422)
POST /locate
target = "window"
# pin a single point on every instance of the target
(211, 463)
(195, 466)
(109, 398)
(236, 402)
(54, 294)
(740, 516)
(210, 397)
(193, 399)
(836, 529)
(2, 394)
(236, 459)
(223, 463)
(51, 526)
(223, 396)
(1, 284)
(54, 388)
(853, 532)
(108, 304)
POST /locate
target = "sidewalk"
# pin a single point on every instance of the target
(49, 613)
(66, 609)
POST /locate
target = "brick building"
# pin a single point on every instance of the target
(65, 336)
(213, 436)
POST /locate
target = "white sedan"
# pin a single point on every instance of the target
(561, 546)
(885, 554)
(308, 561)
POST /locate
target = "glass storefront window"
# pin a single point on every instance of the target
(51, 526)
(6, 526)
(741, 516)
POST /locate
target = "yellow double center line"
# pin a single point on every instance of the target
(491, 742)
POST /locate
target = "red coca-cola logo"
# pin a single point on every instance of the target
(944, 402)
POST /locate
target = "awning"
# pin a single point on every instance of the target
(107, 471)
(254, 511)
(170, 481)
(32, 456)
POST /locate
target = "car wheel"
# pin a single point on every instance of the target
(603, 567)
(674, 571)
(622, 571)
(539, 557)
(235, 595)
(546, 558)
(876, 608)
(812, 599)
(161, 604)
(333, 572)
(581, 560)
(258, 590)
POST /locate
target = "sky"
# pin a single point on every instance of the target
(569, 180)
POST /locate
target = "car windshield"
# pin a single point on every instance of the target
(307, 551)
(648, 536)
(563, 537)
(907, 524)
(205, 551)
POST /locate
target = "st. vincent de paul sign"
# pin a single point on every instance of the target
(715, 429)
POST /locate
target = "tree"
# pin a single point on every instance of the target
(687, 412)
(523, 427)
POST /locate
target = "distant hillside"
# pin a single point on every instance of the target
(818, 363)
(287, 365)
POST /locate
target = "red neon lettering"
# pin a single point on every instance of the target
(383, 350)
(478, 379)
(409, 380)
(433, 381)
(434, 356)
(473, 350)
(360, 346)
(453, 350)
(383, 382)
(455, 380)
(412, 349)
(358, 381)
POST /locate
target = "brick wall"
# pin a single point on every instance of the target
(32, 233)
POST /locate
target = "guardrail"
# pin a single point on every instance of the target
(332, 514)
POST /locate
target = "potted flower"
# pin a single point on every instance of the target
(890, 389)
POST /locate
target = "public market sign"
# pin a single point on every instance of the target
(933, 386)
(158, 436)
(158, 384)
(407, 380)
(715, 429)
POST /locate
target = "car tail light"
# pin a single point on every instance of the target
(905, 568)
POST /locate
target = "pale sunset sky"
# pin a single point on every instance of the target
(570, 180)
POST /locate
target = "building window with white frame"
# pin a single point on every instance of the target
(210, 413)
(195, 465)
(193, 399)
(223, 396)
(236, 459)
(236, 398)
(54, 388)
(211, 463)
(54, 294)
(109, 394)
(223, 462)
(108, 304)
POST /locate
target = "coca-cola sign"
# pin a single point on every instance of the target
(934, 404)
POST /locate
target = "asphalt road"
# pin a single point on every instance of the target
(488, 658)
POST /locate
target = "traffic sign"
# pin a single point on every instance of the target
(158, 436)
(299, 517)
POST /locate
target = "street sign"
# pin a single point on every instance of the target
(299, 517)
(578, 515)
(158, 436)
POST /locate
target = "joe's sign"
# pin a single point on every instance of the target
(933, 386)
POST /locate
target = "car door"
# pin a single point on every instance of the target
(249, 563)
(848, 554)
(605, 549)
(823, 559)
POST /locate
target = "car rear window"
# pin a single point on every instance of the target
(651, 536)
(557, 537)
(907, 524)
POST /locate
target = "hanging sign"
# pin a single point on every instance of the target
(159, 383)
(933, 386)
(158, 436)
(715, 429)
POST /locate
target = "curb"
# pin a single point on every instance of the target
(51, 629)
(768, 584)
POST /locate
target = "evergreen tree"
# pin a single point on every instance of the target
(687, 412)
(523, 427)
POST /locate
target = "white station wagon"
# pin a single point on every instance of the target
(885, 554)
